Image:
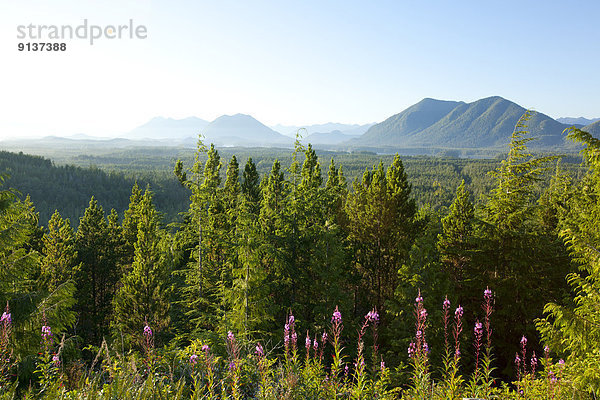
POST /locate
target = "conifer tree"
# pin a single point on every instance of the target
(59, 262)
(130, 222)
(251, 185)
(248, 297)
(144, 294)
(380, 216)
(98, 275)
(456, 243)
(515, 255)
(19, 271)
(573, 329)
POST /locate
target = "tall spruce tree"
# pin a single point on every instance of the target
(515, 257)
(573, 328)
(20, 267)
(59, 262)
(96, 279)
(248, 298)
(130, 223)
(457, 241)
(144, 294)
(380, 216)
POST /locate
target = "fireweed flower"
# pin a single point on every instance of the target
(56, 360)
(46, 331)
(46, 337)
(411, 349)
(372, 316)
(259, 350)
(6, 318)
(478, 329)
(534, 362)
(315, 344)
(337, 317)
(382, 365)
(523, 341)
(518, 365)
(459, 312)
(205, 348)
(307, 342)
(230, 336)
(147, 330)
(193, 359)
(446, 303)
(487, 293)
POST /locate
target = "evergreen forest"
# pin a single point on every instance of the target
(302, 275)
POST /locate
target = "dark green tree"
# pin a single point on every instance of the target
(96, 279)
(573, 327)
(457, 241)
(380, 231)
(19, 277)
(144, 294)
(516, 256)
(130, 223)
(59, 262)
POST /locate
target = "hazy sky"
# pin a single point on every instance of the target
(294, 62)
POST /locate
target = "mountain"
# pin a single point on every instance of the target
(414, 119)
(594, 129)
(485, 123)
(329, 138)
(243, 130)
(168, 128)
(577, 121)
(346, 129)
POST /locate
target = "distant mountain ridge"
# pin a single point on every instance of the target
(243, 130)
(593, 128)
(577, 121)
(485, 123)
(168, 128)
(428, 127)
(305, 130)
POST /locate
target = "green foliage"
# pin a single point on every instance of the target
(574, 328)
(19, 272)
(456, 243)
(247, 253)
(144, 292)
(97, 277)
(59, 262)
(380, 229)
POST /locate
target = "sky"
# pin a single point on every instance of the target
(292, 62)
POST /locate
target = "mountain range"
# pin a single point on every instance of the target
(428, 127)
(485, 123)
(577, 121)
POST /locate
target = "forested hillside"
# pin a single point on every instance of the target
(302, 281)
(109, 177)
(68, 189)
